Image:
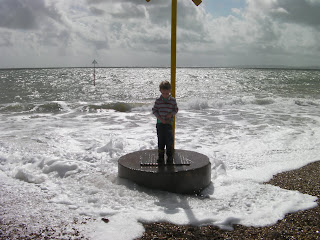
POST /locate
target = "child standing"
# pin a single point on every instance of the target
(165, 108)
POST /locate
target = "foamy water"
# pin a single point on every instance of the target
(64, 136)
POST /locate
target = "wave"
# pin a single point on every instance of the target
(197, 104)
(263, 101)
(52, 107)
(49, 107)
(17, 107)
(118, 106)
(305, 103)
(59, 106)
(201, 104)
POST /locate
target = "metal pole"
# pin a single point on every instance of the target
(94, 74)
(174, 53)
(94, 71)
(173, 57)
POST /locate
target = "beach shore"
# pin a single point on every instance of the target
(304, 225)
(26, 213)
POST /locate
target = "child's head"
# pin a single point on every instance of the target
(165, 89)
(165, 85)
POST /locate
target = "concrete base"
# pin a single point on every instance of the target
(190, 173)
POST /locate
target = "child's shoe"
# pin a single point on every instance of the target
(170, 160)
(160, 160)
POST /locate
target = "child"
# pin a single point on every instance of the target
(165, 107)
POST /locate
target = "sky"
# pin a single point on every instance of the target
(136, 33)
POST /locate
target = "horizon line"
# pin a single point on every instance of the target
(235, 66)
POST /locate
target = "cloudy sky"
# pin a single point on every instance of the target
(58, 33)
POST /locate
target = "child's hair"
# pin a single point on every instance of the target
(165, 85)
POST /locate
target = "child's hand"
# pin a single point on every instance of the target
(164, 121)
(169, 116)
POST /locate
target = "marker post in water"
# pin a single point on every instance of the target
(94, 72)
(174, 52)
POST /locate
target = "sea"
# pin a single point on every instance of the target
(62, 132)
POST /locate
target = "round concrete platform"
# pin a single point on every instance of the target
(190, 173)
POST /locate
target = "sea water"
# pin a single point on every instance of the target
(63, 135)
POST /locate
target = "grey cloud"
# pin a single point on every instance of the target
(160, 14)
(100, 44)
(25, 14)
(153, 34)
(188, 17)
(5, 39)
(116, 29)
(190, 21)
(129, 10)
(298, 11)
(267, 32)
(97, 11)
(283, 26)
(155, 40)
(191, 37)
(91, 42)
(96, 1)
(136, 2)
(54, 38)
(15, 14)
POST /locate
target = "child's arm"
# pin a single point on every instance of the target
(174, 111)
(162, 120)
(155, 111)
(170, 115)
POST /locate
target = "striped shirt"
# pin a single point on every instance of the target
(162, 107)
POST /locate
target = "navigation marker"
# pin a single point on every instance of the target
(94, 71)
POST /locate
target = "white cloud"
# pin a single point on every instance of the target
(137, 33)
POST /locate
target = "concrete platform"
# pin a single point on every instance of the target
(190, 173)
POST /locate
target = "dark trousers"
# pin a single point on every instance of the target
(165, 138)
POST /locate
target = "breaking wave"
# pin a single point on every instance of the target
(200, 104)
(58, 107)
(49, 107)
(118, 106)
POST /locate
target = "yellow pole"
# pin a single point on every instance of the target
(173, 56)
(174, 53)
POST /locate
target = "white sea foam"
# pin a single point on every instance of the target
(72, 155)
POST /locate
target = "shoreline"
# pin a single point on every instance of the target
(299, 225)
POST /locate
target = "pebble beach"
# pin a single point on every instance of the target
(299, 225)
(304, 225)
